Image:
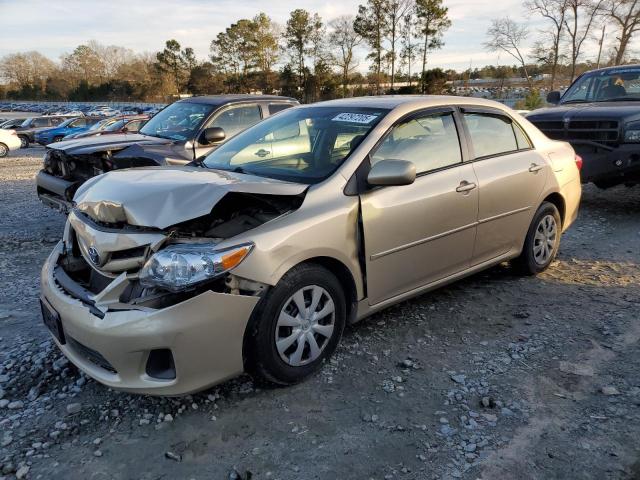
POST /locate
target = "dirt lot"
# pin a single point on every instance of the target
(495, 377)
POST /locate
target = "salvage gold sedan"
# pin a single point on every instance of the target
(170, 280)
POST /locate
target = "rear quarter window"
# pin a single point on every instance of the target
(278, 107)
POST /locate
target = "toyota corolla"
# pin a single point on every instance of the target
(172, 279)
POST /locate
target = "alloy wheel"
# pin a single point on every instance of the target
(544, 242)
(3, 150)
(23, 142)
(305, 325)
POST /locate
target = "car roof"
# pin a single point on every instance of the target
(225, 99)
(391, 102)
(617, 67)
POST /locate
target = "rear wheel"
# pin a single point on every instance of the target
(57, 139)
(4, 150)
(297, 327)
(542, 242)
(24, 141)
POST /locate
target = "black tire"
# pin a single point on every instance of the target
(4, 150)
(24, 141)
(526, 263)
(57, 139)
(262, 359)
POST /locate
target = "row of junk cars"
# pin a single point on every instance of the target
(57, 123)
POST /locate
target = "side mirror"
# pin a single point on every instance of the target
(392, 172)
(553, 98)
(212, 135)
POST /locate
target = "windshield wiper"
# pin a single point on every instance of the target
(574, 101)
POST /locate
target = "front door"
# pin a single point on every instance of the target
(420, 233)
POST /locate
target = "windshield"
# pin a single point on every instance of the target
(101, 125)
(179, 121)
(299, 145)
(620, 84)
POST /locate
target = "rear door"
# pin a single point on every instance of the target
(420, 233)
(511, 177)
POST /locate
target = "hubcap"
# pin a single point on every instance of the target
(544, 242)
(23, 142)
(305, 325)
(3, 150)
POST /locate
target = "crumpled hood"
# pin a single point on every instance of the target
(80, 146)
(163, 196)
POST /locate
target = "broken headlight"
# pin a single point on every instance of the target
(183, 265)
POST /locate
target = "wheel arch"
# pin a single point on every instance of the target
(342, 274)
(558, 200)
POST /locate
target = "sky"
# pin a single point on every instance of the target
(54, 27)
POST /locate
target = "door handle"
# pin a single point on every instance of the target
(465, 187)
(535, 168)
(262, 152)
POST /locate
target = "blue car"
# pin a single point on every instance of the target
(68, 127)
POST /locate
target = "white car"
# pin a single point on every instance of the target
(8, 141)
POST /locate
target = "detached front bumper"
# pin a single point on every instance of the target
(609, 166)
(204, 336)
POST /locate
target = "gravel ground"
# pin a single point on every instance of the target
(494, 377)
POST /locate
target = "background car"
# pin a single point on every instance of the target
(27, 130)
(599, 115)
(129, 124)
(70, 126)
(8, 141)
(12, 123)
(179, 134)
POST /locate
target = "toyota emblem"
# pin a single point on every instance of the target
(94, 256)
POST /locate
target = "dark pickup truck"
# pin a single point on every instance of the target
(599, 115)
(177, 135)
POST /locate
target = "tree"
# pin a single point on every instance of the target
(298, 35)
(626, 16)
(507, 36)
(26, 70)
(85, 63)
(407, 36)
(555, 11)
(578, 30)
(433, 21)
(396, 11)
(344, 39)
(371, 25)
(265, 39)
(174, 62)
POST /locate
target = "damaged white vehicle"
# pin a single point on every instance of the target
(171, 279)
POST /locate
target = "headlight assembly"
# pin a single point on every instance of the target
(632, 132)
(183, 265)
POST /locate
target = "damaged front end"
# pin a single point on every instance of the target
(116, 265)
(157, 310)
(63, 173)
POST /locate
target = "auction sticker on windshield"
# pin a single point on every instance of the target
(354, 118)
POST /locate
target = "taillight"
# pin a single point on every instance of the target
(579, 162)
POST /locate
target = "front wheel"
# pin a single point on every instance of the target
(297, 327)
(57, 139)
(24, 141)
(4, 150)
(542, 242)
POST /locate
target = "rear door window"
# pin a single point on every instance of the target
(491, 134)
